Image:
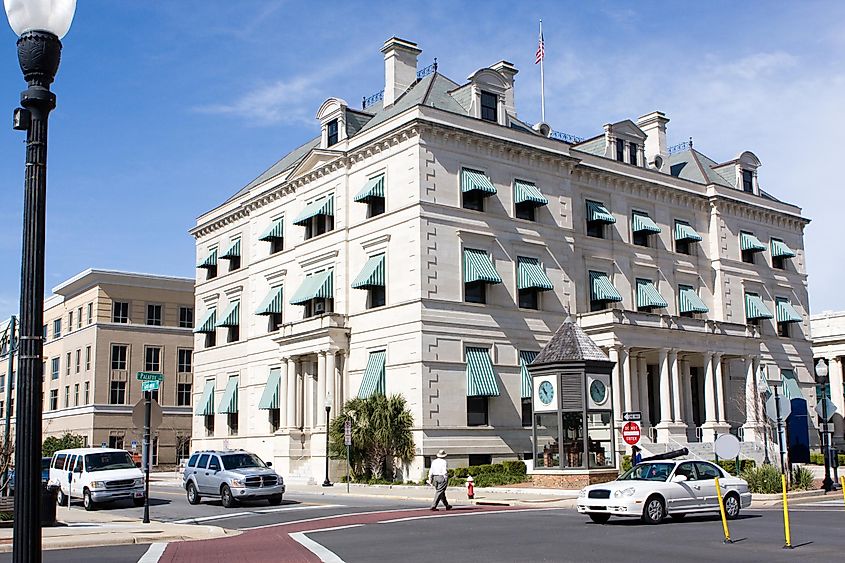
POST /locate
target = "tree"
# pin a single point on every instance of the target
(53, 444)
(381, 435)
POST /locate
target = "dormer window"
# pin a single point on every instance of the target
(632, 153)
(488, 107)
(331, 133)
(748, 181)
(620, 150)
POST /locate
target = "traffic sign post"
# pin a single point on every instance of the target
(347, 440)
(150, 382)
(632, 416)
(631, 433)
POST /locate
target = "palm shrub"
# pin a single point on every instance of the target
(802, 478)
(381, 436)
(764, 479)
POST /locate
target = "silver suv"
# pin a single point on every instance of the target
(233, 475)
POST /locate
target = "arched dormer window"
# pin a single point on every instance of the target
(332, 117)
(488, 96)
(746, 173)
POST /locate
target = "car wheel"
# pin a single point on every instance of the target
(731, 507)
(193, 495)
(275, 500)
(87, 502)
(61, 499)
(599, 518)
(226, 497)
(677, 516)
(654, 510)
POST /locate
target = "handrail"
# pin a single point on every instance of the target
(566, 137)
(370, 100)
(680, 147)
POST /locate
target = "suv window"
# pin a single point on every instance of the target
(193, 461)
(235, 461)
(687, 470)
(203, 461)
(214, 463)
(706, 471)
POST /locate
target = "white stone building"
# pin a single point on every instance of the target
(828, 334)
(432, 242)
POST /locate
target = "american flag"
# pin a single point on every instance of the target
(541, 51)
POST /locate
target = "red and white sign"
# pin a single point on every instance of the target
(631, 433)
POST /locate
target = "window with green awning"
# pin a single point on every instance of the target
(270, 396)
(527, 192)
(525, 387)
(602, 289)
(373, 381)
(481, 377)
(229, 401)
(210, 261)
(642, 223)
(205, 406)
(476, 181)
(689, 300)
(208, 322)
(791, 388)
(319, 285)
(597, 212)
(685, 232)
(648, 297)
(373, 188)
(478, 267)
(785, 312)
(275, 231)
(234, 249)
(755, 309)
(323, 206)
(749, 242)
(781, 250)
(231, 316)
(372, 274)
(272, 303)
(530, 275)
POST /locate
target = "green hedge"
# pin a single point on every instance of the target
(765, 479)
(818, 459)
(729, 465)
(490, 475)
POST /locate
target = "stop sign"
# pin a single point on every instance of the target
(631, 433)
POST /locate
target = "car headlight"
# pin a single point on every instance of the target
(97, 484)
(237, 483)
(139, 482)
(625, 492)
(583, 493)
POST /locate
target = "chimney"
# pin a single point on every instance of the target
(400, 68)
(656, 153)
(508, 71)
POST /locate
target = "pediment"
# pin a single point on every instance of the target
(629, 129)
(313, 160)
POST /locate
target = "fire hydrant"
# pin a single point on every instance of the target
(470, 488)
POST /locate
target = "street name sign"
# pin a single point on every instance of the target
(631, 433)
(634, 416)
(150, 385)
(347, 433)
(149, 376)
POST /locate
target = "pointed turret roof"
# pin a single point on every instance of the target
(570, 344)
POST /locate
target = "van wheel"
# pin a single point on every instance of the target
(87, 502)
(193, 495)
(226, 497)
(61, 499)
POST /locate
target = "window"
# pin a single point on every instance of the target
(318, 306)
(632, 153)
(477, 411)
(748, 256)
(184, 360)
(87, 358)
(526, 210)
(620, 150)
(67, 363)
(529, 298)
(154, 315)
(474, 200)
(154, 396)
(44, 332)
(78, 362)
(152, 359)
(375, 206)
(183, 394)
(186, 317)
(117, 392)
(489, 104)
(183, 447)
(376, 296)
(118, 356)
(154, 451)
(233, 334)
(76, 394)
(748, 181)
(67, 396)
(70, 321)
(2, 412)
(318, 225)
(90, 313)
(208, 423)
(79, 318)
(120, 312)
(54, 399)
(331, 133)
(526, 412)
(641, 238)
(54, 368)
(475, 292)
(232, 423)
(275, 420)
(683, 246)
(87, 392)
(783, 330)
(116, 442)
(778, 257)
(57, 328)
(210, 339)
(274, 322)
(277, 245)
(595, 229)
(706, 471)
(211, 271)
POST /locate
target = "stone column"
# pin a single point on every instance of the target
(720, 387)
(634, 387)
(642, 371)
(613, 354)
(837, 386)
(686, 381)
(330, 378)
(710, 417)
(752, 430)
(291, 393)
(677, 391)
(283, 400)
(625, 373)
(665, 396)
(320, 392)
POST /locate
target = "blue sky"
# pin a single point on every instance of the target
(168, 108)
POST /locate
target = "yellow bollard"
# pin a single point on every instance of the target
(842, 482)
(722, 511)
(788, 544)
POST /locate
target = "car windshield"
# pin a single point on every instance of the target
(648, 472)
(235, 461)
(108, 460)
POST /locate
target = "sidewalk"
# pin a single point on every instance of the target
(79, 528)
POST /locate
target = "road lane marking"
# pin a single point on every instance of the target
(324, 554)
(207, 518)
(467, 513)
(254, 513)
(154, 553)
(318, 518)
(309, 507)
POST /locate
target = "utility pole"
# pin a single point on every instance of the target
(780, 431)
(147, 407)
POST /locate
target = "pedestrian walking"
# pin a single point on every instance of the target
(636, 456)
(438, 477)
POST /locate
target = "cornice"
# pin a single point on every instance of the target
(744, 210)
(639, 187)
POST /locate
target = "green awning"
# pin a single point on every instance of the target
(780, 250)
(747, 241)
(530, 275)
(791, 388)
(275, 231)
(689, 301)
(785, 312)
(373, 188)
(208, 321)
(648, 297)
(601, 288)
(755, 308)
(641, 222)
(206, 405)
(475, 180)
(270, 396)
(372, 274)
(322, 206)
(481, 379)
(272, 303)
(527, 192)
(525, 358)
(209, 261)
(479, 267)
(373, 380)
(599, 213)
(315, 286)
(229, 402)
(234, 250)
(231, 316)
(683, 231)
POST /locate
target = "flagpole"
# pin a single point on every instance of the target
(542, 81)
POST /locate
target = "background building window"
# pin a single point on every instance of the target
(526, 412)
(184, 360)
(154, 315)
(620, 150)
(57, 328)
(748, 181)
(210, 339)
(331, 133)
(120, 312)
(632, 153)
(70, 321)
(90, 313)
(232, 423)
(275, 421)
(116, 442)
(477, 411)
(152, 359)
(79, 317)
(67, 363)
(54, 399)
(529, 298)
(117, 392)
(76, 394)
(87, 358)
(186, 317)
(274, 322)
(118, 356)
(595, 229)
(489, 104)
(67, 396)
(87, 392)
(78, 358)
(208, 423)
(54, 368)
(183, 394)
(474, 200)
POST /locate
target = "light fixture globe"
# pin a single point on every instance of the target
(53, 16)
(821, 369)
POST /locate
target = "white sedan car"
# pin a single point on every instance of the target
(654, 489)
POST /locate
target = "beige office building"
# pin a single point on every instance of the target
(101, 328)
(430, 243)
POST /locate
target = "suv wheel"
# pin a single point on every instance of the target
(87, 502)
(275, 500)
(226, 497)
(193, 495)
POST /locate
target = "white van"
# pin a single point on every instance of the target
(96, 475)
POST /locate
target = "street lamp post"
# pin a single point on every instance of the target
(40, 24)
(328, 404)
(821, 377)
